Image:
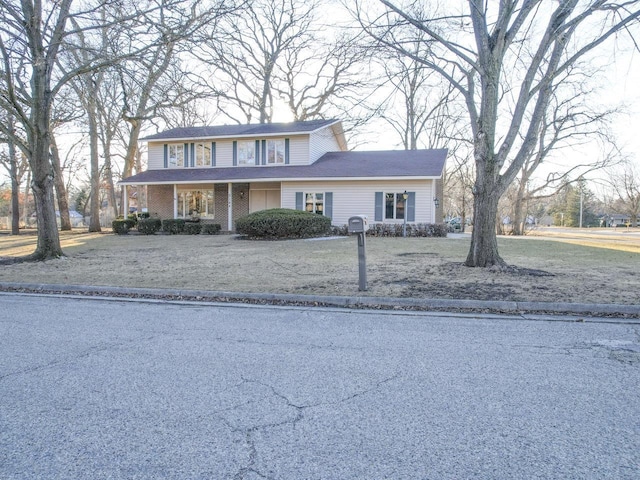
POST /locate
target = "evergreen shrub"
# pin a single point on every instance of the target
(279, 223)
(149, 226)
(173, 226)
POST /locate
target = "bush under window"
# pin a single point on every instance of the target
(149, 226)
(121, 226)
(211, 228)
(192, 228)
(279, 223)
(173, 226)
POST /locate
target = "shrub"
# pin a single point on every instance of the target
(283, 223)
(173, 226)
(149, 226)
(395, 230)
(192, 228)
(211, 228)
(120, 226)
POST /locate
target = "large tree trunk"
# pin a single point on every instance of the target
(94, 222)
(42, 185)
(484, 245)
(61, 190)
(15, 191)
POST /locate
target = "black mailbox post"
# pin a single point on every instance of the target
(359, 225)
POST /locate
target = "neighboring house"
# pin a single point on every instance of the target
(222, 173)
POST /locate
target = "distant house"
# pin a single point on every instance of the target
(222, 173)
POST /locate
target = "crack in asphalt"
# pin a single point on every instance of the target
(249, 432)
(87, 352)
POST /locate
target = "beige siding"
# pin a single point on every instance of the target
(356, 198)
(321, 142)
(155, 156)
(298, 151)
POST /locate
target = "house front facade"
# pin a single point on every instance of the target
(220, 174)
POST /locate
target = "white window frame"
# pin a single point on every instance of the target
(246, 151)
(397, 200)
(185, 200)
(315, 202)
(202, 155)
(175, 155)
(276, 151)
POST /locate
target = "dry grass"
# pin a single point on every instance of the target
(567, 267)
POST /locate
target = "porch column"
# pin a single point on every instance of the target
(125, 202)
(434, 194)
(230, 206)
(175, 200)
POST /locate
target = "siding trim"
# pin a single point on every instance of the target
(411, 207)
(286, 151)
(235, 153)
(328, 204)
(379, 206)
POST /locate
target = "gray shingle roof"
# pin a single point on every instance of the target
(332, 165)
(241, 130)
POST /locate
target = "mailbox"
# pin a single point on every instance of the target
(358, 224)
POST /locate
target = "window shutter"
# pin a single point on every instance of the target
(166, 156)
(185, 155)
(264, 152)
(299, 205)
(411, 207)
(193, 155)
(328, 204)
(213, 154)
(379, 206)
(235, 153)
(286, 151)
(257, 152)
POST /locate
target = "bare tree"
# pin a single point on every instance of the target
(16, 168)
(571, 121)
(495, 53)
(626, 184)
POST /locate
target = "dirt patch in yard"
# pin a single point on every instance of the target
(541, 269)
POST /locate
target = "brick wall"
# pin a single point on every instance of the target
(160, 201)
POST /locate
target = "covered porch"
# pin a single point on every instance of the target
(214, 202)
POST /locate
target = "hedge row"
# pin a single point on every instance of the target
(396, 230)
(279, 223)
(151, 226)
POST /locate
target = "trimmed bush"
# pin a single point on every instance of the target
(149, 226)
(120, 226)
(283, 223)
(211, 228)
(173, 226)
(192, 228)
(395, 230)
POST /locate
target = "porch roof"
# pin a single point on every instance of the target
(362, 165)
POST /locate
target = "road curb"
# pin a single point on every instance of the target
(589, 309)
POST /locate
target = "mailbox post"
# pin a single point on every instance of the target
(359, 225)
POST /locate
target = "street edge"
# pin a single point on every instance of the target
(427, 304)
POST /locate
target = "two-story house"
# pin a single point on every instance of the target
(222, 173)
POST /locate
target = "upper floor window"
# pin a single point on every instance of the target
(247, 153)
(176, 155)
(202, 154)
(275, 151)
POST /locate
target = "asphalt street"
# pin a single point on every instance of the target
(95, 388)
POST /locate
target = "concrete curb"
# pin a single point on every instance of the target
(337, 301)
